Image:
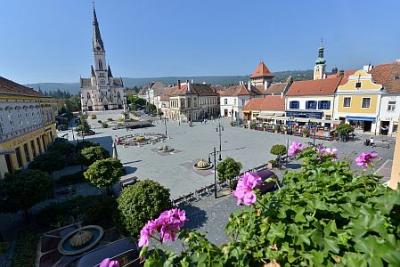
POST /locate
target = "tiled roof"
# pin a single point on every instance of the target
(203, 89)
(315, 87)
(388, 75)
(276, 88)
(267, 103)
(8, 87)
(236, 90)
(261, 71)
(164, 98)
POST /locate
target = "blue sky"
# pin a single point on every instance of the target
(50, 40)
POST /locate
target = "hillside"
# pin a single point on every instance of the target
(73, 88)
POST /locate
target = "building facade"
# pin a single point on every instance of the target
(358, 101)
(269, 107)
(101, 91)
(27, 125)
(190, 101)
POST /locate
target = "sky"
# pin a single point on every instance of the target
(50, 40)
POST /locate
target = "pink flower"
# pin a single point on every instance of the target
(244, 189)
(168, 224)
(107, 262)
(366, 158)
(295, 148)
(326, 151)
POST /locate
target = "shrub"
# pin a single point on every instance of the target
(71, 179)
(90, 209)
(93, 116)
(141, 202)
(25, 248)
(48, 162)
(100, 121)
(104, 172)
(104, 125)
(344, 129)
(25, 188)
(228, 169)
(325, 215)
(93, 153)
(278, 150)
(84, 144)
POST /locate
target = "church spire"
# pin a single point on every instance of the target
(97, 41)
(109, 71)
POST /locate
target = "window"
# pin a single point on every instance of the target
(358, 85)
(311, 104)
(324, 104)
(366, 102)
(347, 102)
(234, 101)
(243, 102)
(391, 106)
(100, 64)
(225, 101)
(294, 104)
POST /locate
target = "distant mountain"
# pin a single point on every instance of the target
(281, 76)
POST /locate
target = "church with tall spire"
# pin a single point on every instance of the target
(102, 91)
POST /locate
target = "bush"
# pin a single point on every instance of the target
(64, 147)
(100, 121)
(25, 188)
(344, 129)
(93, 153)
(25, 248)
(278, 150)
(84, 144)
(90, 209)
(228, 169)
(104, 172)
(104, 125)
(93, 116)
(48, 162)
(71, 179)
(141, 202)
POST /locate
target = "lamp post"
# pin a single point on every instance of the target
(214, 153)
(219, 130)
(165, 124)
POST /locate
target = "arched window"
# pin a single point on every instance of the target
(88, 96)
(100, 64)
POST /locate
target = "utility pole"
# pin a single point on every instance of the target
(219, 131)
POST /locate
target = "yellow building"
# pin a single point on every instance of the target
(27, 125)
(358, 101)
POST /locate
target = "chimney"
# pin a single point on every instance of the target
(188, 85)
(179, 84)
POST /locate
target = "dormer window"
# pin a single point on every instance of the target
(358, 85)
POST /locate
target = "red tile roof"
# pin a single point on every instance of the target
(261, 71)
(8, 87)
(316, 87)
(276, 88)
(236, 90)
(267, 103)
(388, 75)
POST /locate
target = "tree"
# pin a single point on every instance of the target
(228, 169)
(73, 103)
(344, 129)
(104, 173)
(91, 154)
(25, 188)
(141, 202)
(62, 146)
(48, 162)
(83, 127)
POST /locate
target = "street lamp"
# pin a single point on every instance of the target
(165, 124)
(219, 130)
(214, 153)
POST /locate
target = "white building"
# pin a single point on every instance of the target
(101, 91)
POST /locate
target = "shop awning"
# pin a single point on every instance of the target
(271, 115)
(360, 118)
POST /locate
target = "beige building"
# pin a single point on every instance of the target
(190, 101)
(27, 125)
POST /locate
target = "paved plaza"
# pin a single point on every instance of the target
(175, 170)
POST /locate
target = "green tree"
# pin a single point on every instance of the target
(104, 173)
(73, 103)
(228, 169)
(343, 130)
(278, 151)
(141, 202)
(91, 154)
(25, 188)
(48, 162)
(83, 126)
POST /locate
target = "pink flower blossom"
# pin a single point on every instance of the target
(326, 151)
(107, 262)
(295, 148)
(244, 190)
(168, 224)
(366, 158)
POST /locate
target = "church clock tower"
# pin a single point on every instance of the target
(319, 68)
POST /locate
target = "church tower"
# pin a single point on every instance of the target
(101, 91)
(319, 68)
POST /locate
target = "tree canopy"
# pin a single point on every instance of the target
(104, 172)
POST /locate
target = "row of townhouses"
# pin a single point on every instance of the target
(368, 98)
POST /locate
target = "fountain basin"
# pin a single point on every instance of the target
(80, 240)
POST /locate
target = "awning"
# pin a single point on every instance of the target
(360, 118)
(271, 115)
